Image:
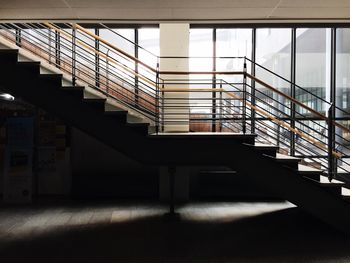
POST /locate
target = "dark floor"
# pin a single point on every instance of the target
(207, 232)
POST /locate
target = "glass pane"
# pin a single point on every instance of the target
(232, 45)
(149, 43)
(147, 54)
(273, 57)
(343, 94)
(343, 69)
(201, 45)
(313, 50)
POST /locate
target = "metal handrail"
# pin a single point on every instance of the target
(232, 108)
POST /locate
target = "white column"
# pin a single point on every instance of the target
(174, 41)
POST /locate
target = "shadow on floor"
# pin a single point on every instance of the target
(287, 235)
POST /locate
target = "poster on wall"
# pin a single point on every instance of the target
(18, 160)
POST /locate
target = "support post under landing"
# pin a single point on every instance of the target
(172, 215)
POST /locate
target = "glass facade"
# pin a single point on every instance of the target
(282, 55)
(343, 68)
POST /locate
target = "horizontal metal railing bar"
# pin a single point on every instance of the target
(297, 86)
(199, 57)
(318, 156)
(285, 79)
(102, 54)
(114, 47)
(296, 102)
(311, 136)
(277, 133)
(80, 55)
(305, 136)
(88, 76)
(222, 110)
(287, 138)
(201, 72)
(280, 111)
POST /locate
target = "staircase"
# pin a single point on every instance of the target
(283, 175)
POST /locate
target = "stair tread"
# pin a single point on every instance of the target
(28, 62)
(50, 75)
(73, 87)
(286, 157)
(94, 100)
(135, 124)
(219, 172)
(341, 171)
(116, 112)
(325, 182)
(6, 50)
(202, 134)
(307, 169)
(345, 192)
(262, 145)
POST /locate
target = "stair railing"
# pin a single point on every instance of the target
(76, 55)
(236, 101)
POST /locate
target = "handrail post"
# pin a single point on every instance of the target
(331, 144)
(244, 95)
(157, 99)
(57, 49)
(221, 106)
(162, 107)
(107, 72)
(74, 36)
(18, 37)
(97, 59)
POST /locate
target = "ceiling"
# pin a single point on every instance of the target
(183, 10)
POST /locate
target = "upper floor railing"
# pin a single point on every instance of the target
(236, 99)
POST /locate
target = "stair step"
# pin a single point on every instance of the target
(119, 115)
(218, 172)
(334, 187)
(98, 104)
(345, 194)
(346, 198)
(56, 79)
(266, 149)
(77, 91)
(309, 172)
(9, 55)
(287, 160)
(141, 128)
(243, 138)
(32, 67)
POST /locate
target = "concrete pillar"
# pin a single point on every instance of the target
(174, 41)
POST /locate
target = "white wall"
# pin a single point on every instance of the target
(174, 41)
